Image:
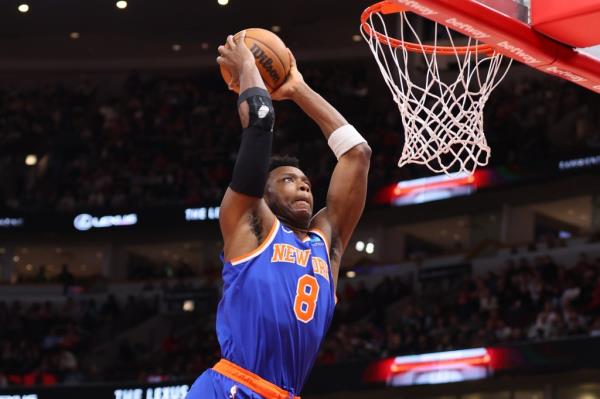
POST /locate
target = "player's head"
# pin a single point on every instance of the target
(288, 192)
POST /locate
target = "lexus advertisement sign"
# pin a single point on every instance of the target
(108, 221)
(159, 391)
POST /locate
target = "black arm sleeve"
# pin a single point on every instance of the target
(252, 164)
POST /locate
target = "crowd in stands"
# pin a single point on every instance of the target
(172, 141)
(156, 142)
(530, 122)
(521, 302)
(182, 355)
(44, 343)
(160, 141)
(524, 301)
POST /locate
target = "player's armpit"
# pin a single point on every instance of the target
(245, 222)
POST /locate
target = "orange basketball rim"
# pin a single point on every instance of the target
(387, 7)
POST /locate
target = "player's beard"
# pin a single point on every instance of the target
(298, 222)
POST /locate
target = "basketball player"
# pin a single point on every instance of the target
(281, 262)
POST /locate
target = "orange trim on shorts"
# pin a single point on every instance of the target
(247, 378)
(260, 248)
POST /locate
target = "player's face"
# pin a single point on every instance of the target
(289, 195)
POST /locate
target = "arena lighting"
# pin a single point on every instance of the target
(121, 4)
(435, 182)
(350, 274)
(176, 47)
(440, 367)
(204, 46)
(223, 2)
(360, 246)
(74, 35)
(188, 305)
(23, 8)
(418, 191)
(370, 248)
(276, 28)
(356, 38)
(31, 160)
(469, 356)
(426, 189)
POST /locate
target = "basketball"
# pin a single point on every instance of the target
(271, 56)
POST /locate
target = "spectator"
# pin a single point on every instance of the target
(66, 278)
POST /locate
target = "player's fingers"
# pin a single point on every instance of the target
(222, 50)
(292, 58)
(223, 61)
(230, 42)
(241, 40)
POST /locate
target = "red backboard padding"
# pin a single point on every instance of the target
(514, 38)
(573, 22)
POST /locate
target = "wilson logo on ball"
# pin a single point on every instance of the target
(265, 61)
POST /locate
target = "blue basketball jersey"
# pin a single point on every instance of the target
(277, 304)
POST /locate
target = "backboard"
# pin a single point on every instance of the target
(558, 37)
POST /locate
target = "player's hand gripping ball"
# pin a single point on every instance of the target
(271, 55)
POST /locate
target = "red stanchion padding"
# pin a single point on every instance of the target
(571, 22)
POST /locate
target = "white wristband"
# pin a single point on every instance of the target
(343, 139)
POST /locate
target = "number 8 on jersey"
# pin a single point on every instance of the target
(307, 293)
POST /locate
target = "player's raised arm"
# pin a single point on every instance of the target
(244, 216)
(348, 187)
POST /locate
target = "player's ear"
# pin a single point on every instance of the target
(267, 187)
(270, 190)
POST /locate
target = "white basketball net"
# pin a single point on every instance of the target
(443, 122)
